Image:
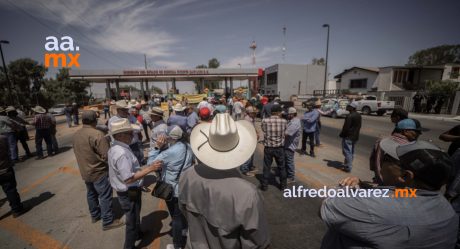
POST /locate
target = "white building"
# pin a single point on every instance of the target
(358, 79)
(286, 80)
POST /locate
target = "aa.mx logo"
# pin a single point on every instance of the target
(53, 46)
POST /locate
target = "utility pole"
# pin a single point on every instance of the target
(8, 83)
(146, 81)
(327, 59)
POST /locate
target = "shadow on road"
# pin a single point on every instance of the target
(33, 202)
(151, 225)
(334, 164)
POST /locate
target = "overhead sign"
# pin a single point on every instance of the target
(165, 72)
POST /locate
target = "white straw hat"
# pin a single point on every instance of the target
(223, 144)
(122, 104)
(39, 109)
(179, 108)
(122, 125)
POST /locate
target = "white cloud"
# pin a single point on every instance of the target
(119, 26)
(268, 55)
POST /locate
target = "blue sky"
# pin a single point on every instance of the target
(183, 34)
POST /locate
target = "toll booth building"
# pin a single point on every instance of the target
(286, 80)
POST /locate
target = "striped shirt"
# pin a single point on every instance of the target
(274, 128)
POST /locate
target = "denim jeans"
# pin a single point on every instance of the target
(54, 141)
(317, 142)
(99, 196)
(310, 136)
(106, 112)
(68, 119)
(40, 135)
(179, 223)
(248, 165)
(289, 160)
(131, 206)
(12, 144)
(75, 119)
(8, 182)
(278, 154)
(348, 149)
(23, 139)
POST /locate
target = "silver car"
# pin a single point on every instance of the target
(335, 108)
(57, 109)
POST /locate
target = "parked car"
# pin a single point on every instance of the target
(57, 109)
(335, 108)
(369, 104)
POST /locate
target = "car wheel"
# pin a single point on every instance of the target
(366, 110)
(334, 115)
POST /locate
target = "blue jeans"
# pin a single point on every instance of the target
(348, 149)
(68, 119)
(317, 142)
(179, 223)
(12, 144)
(8, 182)
(75, 119)
(131, 206)
(40, 135)
(99, 196)
(289, 160)
(278, 154)
(248, 165)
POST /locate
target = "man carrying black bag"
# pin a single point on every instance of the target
(126, 175)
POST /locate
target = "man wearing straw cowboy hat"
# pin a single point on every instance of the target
(42, 123)
(179, 117)
(126, 175)
(222, 209)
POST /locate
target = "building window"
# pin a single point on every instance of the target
(455, 72)
(272, 78)
(400, 76)
(358, 83)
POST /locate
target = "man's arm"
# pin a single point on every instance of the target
(102, 146)
(144, 171)
(452, 135)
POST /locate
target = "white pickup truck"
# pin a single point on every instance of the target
(369, 104)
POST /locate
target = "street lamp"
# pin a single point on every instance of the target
(6, 72)
(327, 54)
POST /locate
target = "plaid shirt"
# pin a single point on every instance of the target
(274, 128)
(42, 121)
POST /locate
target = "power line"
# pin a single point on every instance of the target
(52, 29)
(108, 41)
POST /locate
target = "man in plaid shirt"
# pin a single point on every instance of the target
(42, 123)
(274, 129)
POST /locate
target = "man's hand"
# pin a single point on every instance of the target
(155, 166)
(161, 141)
(351, 181)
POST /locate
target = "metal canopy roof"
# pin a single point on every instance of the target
(136, 75)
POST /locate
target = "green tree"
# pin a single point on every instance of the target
(436, 56)
(64, 90)
(321, 61)
(444, 88)
(156, 89)
(26, 76)
(212, 63)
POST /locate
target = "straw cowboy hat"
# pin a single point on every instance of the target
(318, 102)
(121, 104)
(39, 109)
(157, 111)
(223, 144)
(10, 109)
(179, 108)
(122, 125)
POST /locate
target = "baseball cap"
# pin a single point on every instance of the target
(409, 124)
(204, 113)
(428, 162)
(174, 132)
(292, 110)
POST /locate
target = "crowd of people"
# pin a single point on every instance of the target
(428, 103)
(198, 152)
